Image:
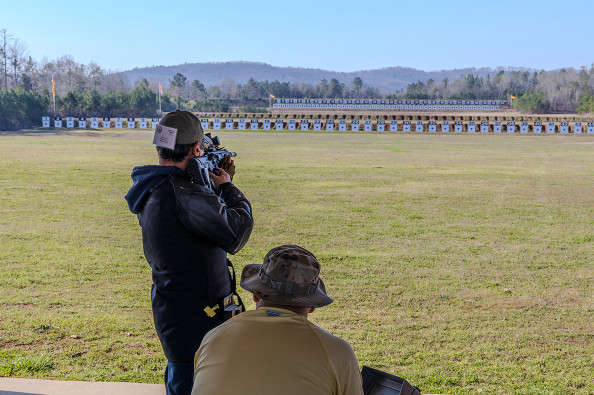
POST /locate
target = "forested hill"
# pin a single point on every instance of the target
(387, 80)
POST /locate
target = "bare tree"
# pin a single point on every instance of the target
(71, 74)
(95, 73)
(5, 40)
(229, 88)
(17, 56)
(116, 81)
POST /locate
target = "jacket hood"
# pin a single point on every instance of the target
(145, 178)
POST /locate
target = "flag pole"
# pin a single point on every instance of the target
(54, 95)
(160, 92)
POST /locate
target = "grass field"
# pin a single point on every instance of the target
(463, 263)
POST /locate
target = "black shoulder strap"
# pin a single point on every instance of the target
(234, 283)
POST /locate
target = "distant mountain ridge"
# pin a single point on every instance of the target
(387, 80)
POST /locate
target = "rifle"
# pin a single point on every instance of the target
(198, 168)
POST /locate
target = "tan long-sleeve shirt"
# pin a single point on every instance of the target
(274, 351)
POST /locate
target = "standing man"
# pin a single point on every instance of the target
(187, 231)
(275, 349)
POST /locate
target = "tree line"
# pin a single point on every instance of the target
(562, 91)
(27, 90)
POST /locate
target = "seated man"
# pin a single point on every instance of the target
(275, 349)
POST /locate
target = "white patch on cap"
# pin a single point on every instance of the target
(165, 136)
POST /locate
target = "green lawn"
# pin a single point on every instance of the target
(463, 263)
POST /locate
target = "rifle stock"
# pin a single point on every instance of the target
(198, 168)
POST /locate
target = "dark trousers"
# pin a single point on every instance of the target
(179, 378)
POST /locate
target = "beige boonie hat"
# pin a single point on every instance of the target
(289, 275)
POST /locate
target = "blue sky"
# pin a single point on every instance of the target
(334, 35)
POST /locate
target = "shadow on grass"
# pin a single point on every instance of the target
(34, 131)
(57, 132)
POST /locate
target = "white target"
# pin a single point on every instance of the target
(471, 127)
(550, 127)
(368, 125)
(497, 127)
(484, 127)
(393, 126)
(564, 128)
(419, 126)
(432, 126)
(405, 126)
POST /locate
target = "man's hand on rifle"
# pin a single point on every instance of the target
(228, 165)
(219, 177)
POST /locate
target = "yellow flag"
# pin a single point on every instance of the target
(160, 89)
(53, 87)
(271, 95)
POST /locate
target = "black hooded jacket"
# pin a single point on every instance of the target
(187, 231)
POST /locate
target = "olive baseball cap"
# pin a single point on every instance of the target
(289, 275)
(189, 129)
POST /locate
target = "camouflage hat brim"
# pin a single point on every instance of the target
(250, 281)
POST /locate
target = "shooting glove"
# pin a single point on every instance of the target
(229, 168)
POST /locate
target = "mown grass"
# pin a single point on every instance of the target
(460, 262)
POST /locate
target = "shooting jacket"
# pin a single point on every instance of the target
(187, 231)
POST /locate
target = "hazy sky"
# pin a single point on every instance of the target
(335, 35)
